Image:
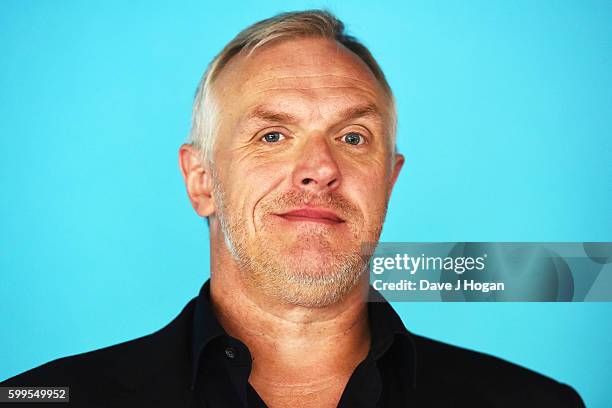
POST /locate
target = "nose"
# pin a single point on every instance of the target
(316, 169)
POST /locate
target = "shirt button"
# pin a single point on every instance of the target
(230, 352)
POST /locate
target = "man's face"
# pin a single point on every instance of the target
(302, 167)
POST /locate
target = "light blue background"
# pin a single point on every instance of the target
(505, 119)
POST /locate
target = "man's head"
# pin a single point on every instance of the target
(292, 156)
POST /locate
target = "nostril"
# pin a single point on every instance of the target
(306, 181)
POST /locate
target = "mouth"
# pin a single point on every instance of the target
(312, 215)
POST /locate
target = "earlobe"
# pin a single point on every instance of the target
(197, 178)
(398, 163)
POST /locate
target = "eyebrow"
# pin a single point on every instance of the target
(368, 110)
(267, 114)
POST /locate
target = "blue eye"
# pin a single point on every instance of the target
(272, 137)
(353, 139)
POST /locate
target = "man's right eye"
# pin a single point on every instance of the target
(272, 137)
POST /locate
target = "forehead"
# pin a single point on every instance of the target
(299, 69)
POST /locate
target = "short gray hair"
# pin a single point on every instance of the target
(309, 23)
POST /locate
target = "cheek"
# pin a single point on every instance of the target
(368, 190)
(253, 182)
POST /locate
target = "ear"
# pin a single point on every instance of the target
(398, 163)
(198, 181)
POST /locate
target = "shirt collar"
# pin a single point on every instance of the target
(386, 328)
(206, 327)
(388, 331)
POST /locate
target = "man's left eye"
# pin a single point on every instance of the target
(353, 139)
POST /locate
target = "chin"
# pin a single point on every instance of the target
(319, 289)
(306, 276)
(314, 259)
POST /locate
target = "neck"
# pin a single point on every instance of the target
(298, 352)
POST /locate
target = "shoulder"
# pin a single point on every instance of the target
(497, 382)
(121, 368)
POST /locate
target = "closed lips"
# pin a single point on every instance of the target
(311, 214)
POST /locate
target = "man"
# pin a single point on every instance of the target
(292, 159)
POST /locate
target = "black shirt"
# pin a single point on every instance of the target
(193, 362)
(222, 364)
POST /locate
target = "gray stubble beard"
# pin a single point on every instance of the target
(289, 280)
